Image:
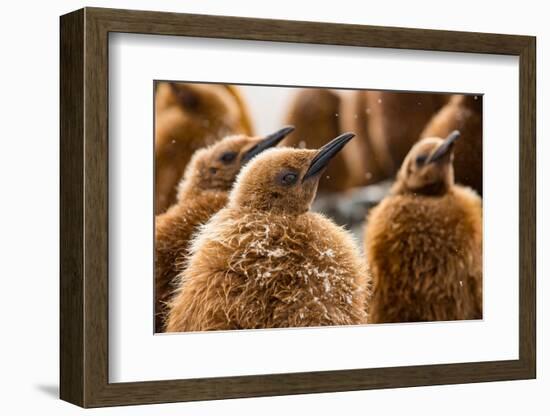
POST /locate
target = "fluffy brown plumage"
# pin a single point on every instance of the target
(464, 113)
(187, 118)
(266, 261)
(316, 114)
(202, 192)
(424, 243)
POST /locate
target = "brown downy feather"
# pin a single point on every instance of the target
(187, 118)
(202, 192)
(464, 113)
(316, 114)
(424, 246)
(266, 261)
(173, 231)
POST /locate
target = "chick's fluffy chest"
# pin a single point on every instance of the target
(278, 270)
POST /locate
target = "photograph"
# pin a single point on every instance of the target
(300, 206)
(259, 204)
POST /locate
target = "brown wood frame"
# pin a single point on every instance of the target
(84, 207)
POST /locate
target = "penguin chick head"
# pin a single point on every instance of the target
(284, 180)
(216, 167)
(428, 167)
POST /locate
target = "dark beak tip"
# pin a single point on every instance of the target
(445, 148)
(278, 135)
(453, 136)
(287, 130)
(271, 140)
(349, 135)
(326, 153)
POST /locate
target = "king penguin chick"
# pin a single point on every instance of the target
(187, 118)
(202, 192)
(424, 242)
(266, 260)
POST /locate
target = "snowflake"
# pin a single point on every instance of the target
(278, 252)
(328, 253)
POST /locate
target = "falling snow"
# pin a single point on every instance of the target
(328, 253)
(326, 285)
(278, 252)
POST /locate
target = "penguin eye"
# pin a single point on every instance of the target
(420, 160)
(288, 178)
(228, 157)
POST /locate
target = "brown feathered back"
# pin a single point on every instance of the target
(387, 124)
(425, 255)
(173, 231)
(188, 117)
(367, 164)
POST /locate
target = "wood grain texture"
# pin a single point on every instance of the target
(84, 207)
(96, 218)
(527, 208)
(71, 208)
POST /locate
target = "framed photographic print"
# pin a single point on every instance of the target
(255, 207)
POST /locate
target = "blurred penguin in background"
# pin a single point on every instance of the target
(316, 114)
(202, 192)
(387, 124)
(463, 113)
(424, 242)
(187, 118)
(266, 260)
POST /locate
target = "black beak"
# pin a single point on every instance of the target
(444, 148)
(267, 142)
(326, 153)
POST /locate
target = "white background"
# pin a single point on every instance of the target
(136, 355)
(29, 220)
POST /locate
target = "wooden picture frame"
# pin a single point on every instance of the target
(84, 207)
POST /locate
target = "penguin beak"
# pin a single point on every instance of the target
(444, 148)
(267, 142)
(326, 153)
